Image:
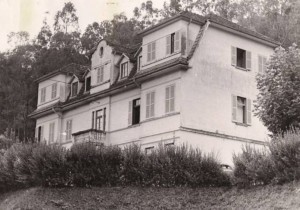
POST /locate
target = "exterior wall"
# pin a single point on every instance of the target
(45, 122)
(208, 86)
(61, 81)
(160, 38)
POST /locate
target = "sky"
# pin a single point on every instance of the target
(28, 15)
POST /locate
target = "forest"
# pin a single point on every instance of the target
(63, 43)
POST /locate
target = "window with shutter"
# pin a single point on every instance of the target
(168, 46)
(53, 90)
(262, 64)
(148, 52)
(170, 99)
(74, 89)
(150, 101)
(69, 129)
(100, 74)
(248, 60)
(249, 112)
(43, 95)
(130, 113)
(177, 41)
(233, 56)
(153, 51)
(51, 132)
(234, 108)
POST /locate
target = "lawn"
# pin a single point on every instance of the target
(262, 197)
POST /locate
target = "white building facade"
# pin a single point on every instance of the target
(192, 80)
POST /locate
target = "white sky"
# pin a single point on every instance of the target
(28, 15)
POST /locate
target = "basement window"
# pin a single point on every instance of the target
(241, 58)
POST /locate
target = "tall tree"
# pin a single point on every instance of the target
(66, 20)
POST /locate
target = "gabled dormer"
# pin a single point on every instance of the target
(125, 66)
(56, 86)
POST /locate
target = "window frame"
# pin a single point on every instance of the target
(97, 119)
(140, 62)
(124, 70)
(151, 51)
(90, 78)
(51, 132)
(101, 52)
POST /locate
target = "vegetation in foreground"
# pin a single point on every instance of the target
(261, 197)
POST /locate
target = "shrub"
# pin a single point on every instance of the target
(94, 166)
(285, 153)
(253, 166)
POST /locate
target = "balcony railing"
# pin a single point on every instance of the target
(89, 136)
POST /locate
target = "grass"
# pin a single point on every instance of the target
(261, 197)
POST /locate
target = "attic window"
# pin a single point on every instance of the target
(74, 89)
(241, 58)
(124, 70)
(101, 52)
(88, 84)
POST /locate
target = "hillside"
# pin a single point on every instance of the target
(267, 197)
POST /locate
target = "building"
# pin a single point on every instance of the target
(192, 80)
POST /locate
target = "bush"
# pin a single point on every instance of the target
(253, 166)
(285, 153)
(94, 166)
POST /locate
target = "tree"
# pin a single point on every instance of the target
(66, 20)
(278, 102)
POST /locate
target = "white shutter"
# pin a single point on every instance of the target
(248, 60)
(152, 103)
(167, 100)
(234, 107)
(233, 56)
(172, 100)
(168, 45)
(177, 41)
(42, 133)
(153, 51)
(260, 62)
(130, 113)
(148, 105)
(148, 52)
(249, 112)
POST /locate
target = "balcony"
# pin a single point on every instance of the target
(89, 136)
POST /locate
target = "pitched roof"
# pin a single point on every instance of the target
(70, 69)
(199, 19)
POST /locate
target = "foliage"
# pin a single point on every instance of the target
(277, 163)
(25, 165)
(279, 91)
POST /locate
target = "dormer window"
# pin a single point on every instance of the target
(139, 62)
(74, 89)
(151, 51)
(173, 43)
(101, 52)
(88, 84)
(100, 74)
(43, 94)
(124, 70)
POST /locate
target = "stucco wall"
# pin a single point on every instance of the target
(207, 87)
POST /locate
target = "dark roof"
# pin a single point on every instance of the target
(189, 16)
(70, 69)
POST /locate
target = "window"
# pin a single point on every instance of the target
(240, 58)
(134, 112)
(150, 104)
(40, 133)
(43, 95)
(100, 74)
(140, 62)
(170, 99)
(173, 43)
(149, 150)
(69, 129)
(124, 70)
(262, 64)
(87, 83)
(241, 110)
(74, 89)
(53, 90)
(51, 132)
(151, 51)
(98, 119)
(101, 52)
